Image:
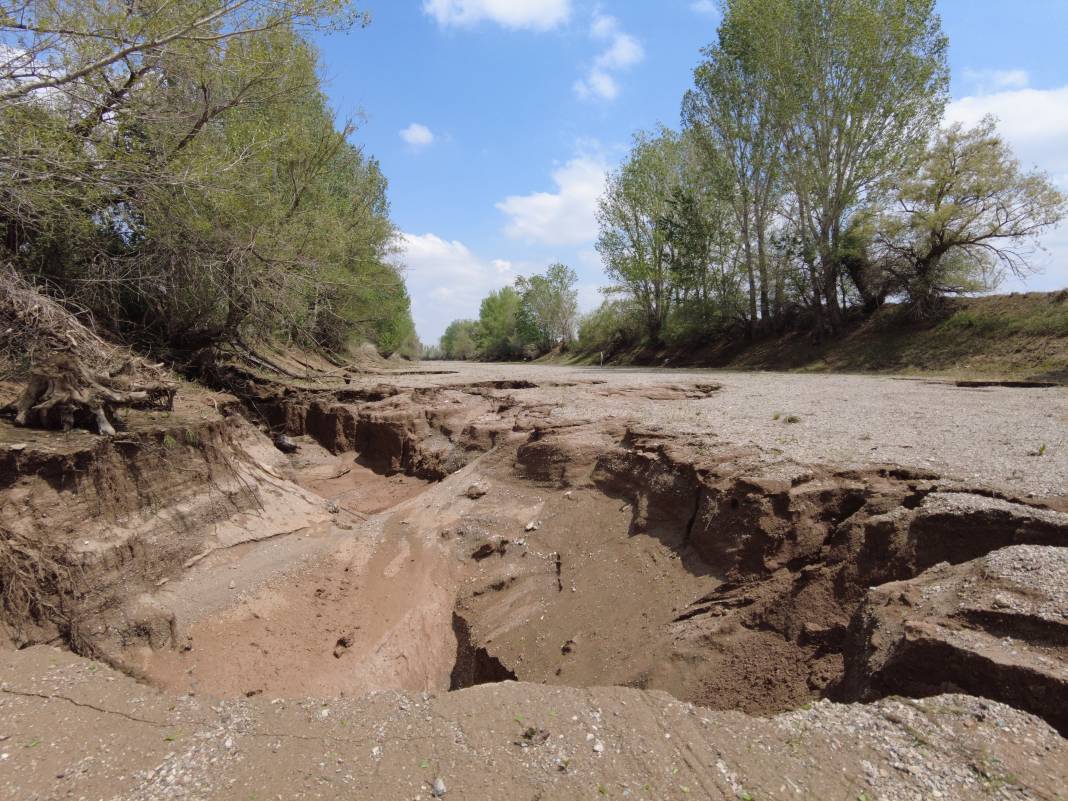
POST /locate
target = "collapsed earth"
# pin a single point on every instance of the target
(542, 582)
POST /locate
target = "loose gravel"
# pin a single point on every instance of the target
(1011, 439)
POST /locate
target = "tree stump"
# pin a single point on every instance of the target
(62, 393)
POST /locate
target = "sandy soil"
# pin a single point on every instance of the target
(73, 729)
(705, 533)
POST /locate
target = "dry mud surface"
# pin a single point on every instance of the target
(544, 582)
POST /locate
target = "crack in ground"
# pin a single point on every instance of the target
(84, 705)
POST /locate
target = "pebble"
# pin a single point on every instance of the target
(438, 789)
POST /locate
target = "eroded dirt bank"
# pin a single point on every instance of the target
(647, 530)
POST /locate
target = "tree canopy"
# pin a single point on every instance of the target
(176, 168)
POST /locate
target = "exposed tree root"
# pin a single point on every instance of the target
(62, 393)
(35, 587)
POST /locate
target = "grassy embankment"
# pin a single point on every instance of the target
(1011, 337)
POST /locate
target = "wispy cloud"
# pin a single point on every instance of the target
(708, 8)
(621, 52)
(515, 14)
(987, 81)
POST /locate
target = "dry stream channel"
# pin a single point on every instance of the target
(746, 543)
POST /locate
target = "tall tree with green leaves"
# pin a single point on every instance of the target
(733, 115)
(857, 86)
(499, 335)
(549, 306)
(969, 215)
(633, 213)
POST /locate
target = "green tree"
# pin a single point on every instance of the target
(177, 166)
(733, 115)
(548, 307)
(969, 215)
(460, 340)
(612, 326)
(633, 214)
(499, 337)
(857, 85)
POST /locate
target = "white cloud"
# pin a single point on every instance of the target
(706, 7)
(447, 281)
(534, 14)
(1035, 120)
(987, 81)
(1035, 123)
(418, 136)
(622, 51)
(567, 216)
(597, 83)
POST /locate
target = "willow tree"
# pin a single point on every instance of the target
(857, 86)
(177, 167)
(969, 215)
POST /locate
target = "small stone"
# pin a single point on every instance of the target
(533, 525)
(598, 747)
(475, 491)
(438, 789)
(232, 585)
(285, 444)
(1002, 601)
(332, 507)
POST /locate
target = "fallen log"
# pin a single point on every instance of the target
(62, 393)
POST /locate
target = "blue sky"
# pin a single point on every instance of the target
(495, 120)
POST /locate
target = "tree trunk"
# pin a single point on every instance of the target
(762, 266)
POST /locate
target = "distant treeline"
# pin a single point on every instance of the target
(532, 318)
(175, 169)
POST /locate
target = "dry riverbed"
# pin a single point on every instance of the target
(787, 550)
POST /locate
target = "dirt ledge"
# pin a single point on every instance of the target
(82, 730)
